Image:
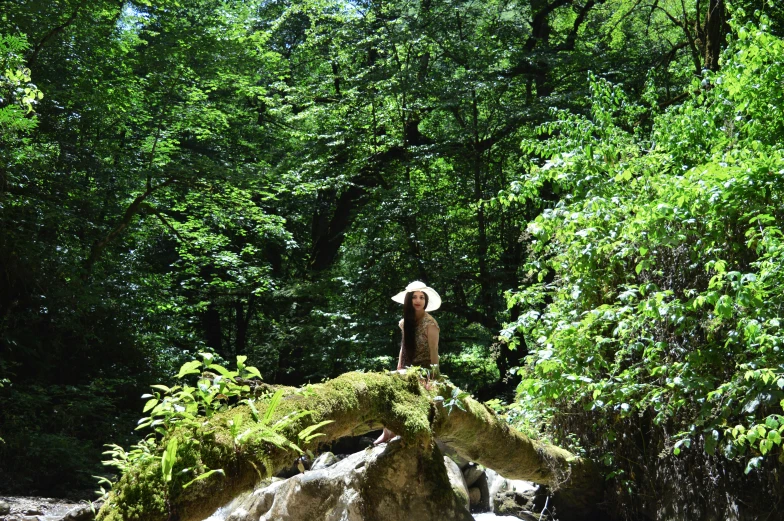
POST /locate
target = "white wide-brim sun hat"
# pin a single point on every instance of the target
(433, 299)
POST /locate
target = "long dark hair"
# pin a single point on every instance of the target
(409, 327)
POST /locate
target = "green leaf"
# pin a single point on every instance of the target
(241, 362)
(753, 464)
(252, 372)
(204, 476)
(273, 404)
(304, 433)
(191, 367)
(222, 371)
(261, 432)
(711, 440)
(253, 410)
(168, 459)
(723, 307)
(289, 419)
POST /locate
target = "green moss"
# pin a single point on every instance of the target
(139, 495)
(355, 402)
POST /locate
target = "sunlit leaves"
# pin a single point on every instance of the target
(666, 262)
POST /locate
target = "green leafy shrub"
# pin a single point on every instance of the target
(472, 368)
(654, 316)
(178, 415)
(18, 95)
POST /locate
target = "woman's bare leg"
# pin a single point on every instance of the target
(385, 437)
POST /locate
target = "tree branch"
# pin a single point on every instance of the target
(571, 38)
(133, 209)
(539, 22)
(622, 18)
(153, 210)
(48, 36)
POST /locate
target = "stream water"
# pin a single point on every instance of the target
(491, 517)
(47, 509)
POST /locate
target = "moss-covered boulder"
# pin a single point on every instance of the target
(355, 403)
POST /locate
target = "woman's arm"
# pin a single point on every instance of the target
(400, 356)
(432, 341)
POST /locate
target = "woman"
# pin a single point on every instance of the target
(419, 346)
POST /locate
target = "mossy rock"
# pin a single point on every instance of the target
(355, 403)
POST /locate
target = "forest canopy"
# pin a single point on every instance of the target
(593, 186)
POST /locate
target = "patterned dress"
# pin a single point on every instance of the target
(422, 348)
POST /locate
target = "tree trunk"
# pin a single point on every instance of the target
(715, 33)
(243, 319)
(335, 213)
(356, 403)
(213, 328)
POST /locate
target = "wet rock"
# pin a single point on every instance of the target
(500, 490)
(521, 499)
(83, 512)
(384, 482)
(38, 508)
(472, 473)
(476, 496)
(495, 482)
(486, 500)
(5, 508)
(326, 459)
(457, 480)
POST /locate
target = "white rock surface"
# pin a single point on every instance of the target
(384, 482)
(487, 516)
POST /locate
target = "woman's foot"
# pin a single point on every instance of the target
(386, 435)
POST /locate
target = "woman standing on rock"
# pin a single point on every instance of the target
(419, 346)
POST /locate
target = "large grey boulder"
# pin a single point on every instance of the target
(385, 483)
(457, 481)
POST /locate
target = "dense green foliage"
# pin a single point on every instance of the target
(657, 281)
(248, 178)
